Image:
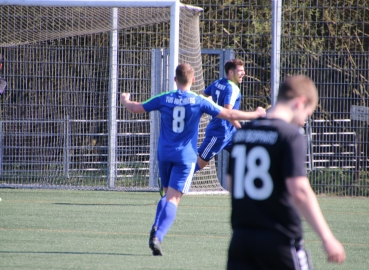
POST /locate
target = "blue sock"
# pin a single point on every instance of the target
(160, 206)
(197, 167)
(166, 219)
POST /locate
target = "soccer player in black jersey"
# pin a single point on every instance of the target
(269, 187)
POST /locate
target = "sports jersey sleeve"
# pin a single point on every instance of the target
(153, 103)
(232, 92)
(207, 91)
(295, 156)
(210, 107)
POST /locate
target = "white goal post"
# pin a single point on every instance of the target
(66, 62)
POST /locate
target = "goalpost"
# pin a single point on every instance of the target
(61, 125)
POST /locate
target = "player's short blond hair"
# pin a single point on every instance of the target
(184, 73)
(296, 86)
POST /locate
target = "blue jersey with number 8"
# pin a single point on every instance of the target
(180, 116)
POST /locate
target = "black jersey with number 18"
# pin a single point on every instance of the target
(264, 153)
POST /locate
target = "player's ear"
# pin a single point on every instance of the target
(175, 79)
(193, 79)
(1, 66)
(301, 101)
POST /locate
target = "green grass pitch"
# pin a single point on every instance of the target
(68, 229)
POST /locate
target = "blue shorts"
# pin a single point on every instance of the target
(176, 175)
(212, 146)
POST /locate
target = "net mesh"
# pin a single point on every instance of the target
(54, 127)
(24, 25)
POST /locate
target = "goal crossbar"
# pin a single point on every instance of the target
(89, 3)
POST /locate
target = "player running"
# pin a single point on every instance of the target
(180, 111)
(226, 93)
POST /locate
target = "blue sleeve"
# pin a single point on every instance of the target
(153, 103)
(207, 91)
(232, 94)
(210, 107)
(228, 95)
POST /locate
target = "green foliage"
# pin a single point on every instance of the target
(340, 182)
(329, 42)
(308, 26)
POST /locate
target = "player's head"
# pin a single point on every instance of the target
(300, 93)
(184, 74)
(235, 70)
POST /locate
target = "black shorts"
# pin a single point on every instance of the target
(260, 249)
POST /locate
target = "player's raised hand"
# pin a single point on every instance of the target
(124, 97)
(261, 111)
(335, 251)
(132, 106)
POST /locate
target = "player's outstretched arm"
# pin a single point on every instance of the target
(231, 115)
(305, 200)
(132, 106)
(205, 95)
(235, 123)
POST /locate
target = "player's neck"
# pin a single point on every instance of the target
(183, 90)
(281, 111)
(230, 79)
(184, 87)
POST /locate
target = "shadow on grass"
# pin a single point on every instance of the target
(72, 253)
(106, 204)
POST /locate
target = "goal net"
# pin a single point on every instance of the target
(55, 116)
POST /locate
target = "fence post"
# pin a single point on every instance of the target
(113, 86)
(358, 152)
(276, 49)
(66, 147)
(223, 156)
(157, 75)
(309, 145)
(358, 115)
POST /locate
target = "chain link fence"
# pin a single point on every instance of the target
(326, 40)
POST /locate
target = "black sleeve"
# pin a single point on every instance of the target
(295, 156)
(230, 162)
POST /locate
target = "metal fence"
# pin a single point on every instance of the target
(326, 40)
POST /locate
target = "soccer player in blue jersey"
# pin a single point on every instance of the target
(180, 111)
(226, 93)
(270, 189)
